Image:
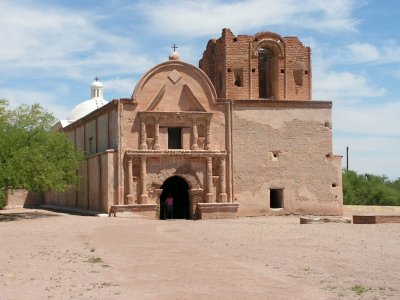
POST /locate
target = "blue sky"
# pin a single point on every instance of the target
(50, 51)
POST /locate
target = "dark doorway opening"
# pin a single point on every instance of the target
(276, 198)
(178, 188)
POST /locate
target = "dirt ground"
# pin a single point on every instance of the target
(61, 256)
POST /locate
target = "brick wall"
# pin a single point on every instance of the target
(230, 55)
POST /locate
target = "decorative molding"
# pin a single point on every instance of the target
(156, 100)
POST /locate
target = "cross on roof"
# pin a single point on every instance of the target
(96, 79)
(174, 47)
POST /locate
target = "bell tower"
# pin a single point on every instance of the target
(264, 66)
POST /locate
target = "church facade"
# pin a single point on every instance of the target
(236, 136)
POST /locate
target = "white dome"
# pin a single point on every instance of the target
(86, 108)
(96, 84)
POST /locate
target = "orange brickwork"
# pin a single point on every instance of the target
(260, 66)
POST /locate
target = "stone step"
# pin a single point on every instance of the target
(320, 220)
(375, 219)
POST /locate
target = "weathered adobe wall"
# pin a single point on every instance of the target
(304, 166)
(97, 137)
(231, 54)
(96, 191)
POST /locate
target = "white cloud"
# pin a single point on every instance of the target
(48, 100)
(381, 119)
(47, 41)
(386, 52)
(328, 84)
(124, 87)
(363, 52)
(202, 18)
(367, 154)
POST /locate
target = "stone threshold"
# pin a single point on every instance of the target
(147, 211)
(226, 210)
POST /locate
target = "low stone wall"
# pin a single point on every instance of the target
(17, 198)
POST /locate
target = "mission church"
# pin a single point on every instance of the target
(236, 136)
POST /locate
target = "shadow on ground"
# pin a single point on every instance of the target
(8, 217)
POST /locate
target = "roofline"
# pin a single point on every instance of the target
(100, 111)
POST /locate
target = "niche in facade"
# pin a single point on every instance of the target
(201, 131)
(298, 71)
(150, 133)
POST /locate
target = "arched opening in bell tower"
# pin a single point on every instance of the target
(265, 72)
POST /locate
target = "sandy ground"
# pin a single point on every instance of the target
(60, 256)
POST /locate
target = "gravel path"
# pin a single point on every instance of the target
(59, 256)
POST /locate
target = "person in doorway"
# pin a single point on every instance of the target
(169, 206)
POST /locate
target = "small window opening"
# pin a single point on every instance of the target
(276, 198)
(229, 70)
(253, 70)
(238, 77)
(282, 71)
(275, 155)
(334, 184)
(91, 146)
(306, 72)
(235, 39)
(175, 138)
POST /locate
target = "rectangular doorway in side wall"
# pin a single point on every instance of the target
(276, 198)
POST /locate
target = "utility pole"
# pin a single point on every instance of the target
(347, 159)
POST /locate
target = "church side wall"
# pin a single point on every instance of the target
(102, 133)
(97, 177)
(289, 150)
(113, 129)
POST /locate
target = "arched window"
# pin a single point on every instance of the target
(265, 56)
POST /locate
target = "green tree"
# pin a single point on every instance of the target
(32, 156)
(368, 189)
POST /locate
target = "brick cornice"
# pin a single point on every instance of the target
(282, 103)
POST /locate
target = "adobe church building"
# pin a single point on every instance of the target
(236, 136)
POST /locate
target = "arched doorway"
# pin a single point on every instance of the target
(178, 188)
